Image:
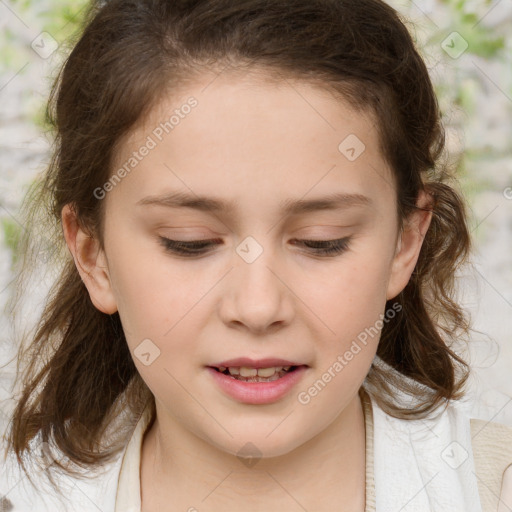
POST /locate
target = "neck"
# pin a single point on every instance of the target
(188, 471)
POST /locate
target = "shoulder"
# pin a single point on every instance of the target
(466, 459)
(492, 451)
(96, 491)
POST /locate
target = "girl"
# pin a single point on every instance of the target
(255, 309)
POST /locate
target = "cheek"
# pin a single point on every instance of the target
(152, 293)
(158, 305)
(350, 304)
(351, 295)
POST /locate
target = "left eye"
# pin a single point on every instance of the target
(198, 247)
(327, 247)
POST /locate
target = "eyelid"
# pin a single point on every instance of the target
(325, 248)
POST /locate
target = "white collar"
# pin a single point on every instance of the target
(424, 465)
(128, 489)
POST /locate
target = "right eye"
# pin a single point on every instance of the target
(192, 248)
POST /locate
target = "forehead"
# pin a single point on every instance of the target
(256, 133)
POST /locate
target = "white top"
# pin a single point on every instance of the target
(128, 490)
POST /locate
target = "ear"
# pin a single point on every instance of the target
(409, 245)
(90, 262)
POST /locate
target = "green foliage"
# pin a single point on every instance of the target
(61, 19)
(481, 40)
(56, 14)
(456, 86)
(12, 234)
(23, 4)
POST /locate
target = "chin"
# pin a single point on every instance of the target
(253, 448)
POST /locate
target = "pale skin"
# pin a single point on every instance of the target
(250, 141)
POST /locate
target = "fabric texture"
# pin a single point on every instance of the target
(492, 447)
(425, 465)
(128, 496)
(368, 423)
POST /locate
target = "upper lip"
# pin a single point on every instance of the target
(268, 362)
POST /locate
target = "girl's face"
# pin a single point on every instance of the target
(264, 167)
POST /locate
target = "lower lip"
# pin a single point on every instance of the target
(258, 392)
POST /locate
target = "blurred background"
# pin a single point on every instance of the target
(468, 50)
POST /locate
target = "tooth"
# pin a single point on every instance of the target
(248, 372)
(222, 368)
(268, 372)
(245, 371)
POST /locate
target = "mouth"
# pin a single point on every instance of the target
(257, 382)
(251, 374)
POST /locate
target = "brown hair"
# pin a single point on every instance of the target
(79, 375)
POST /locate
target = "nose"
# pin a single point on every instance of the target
(256, 296)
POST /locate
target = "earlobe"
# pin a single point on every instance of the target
(90, 261)
(409, 243)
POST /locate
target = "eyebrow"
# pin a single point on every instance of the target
(336, 201)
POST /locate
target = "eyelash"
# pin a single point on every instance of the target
(196, 247)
